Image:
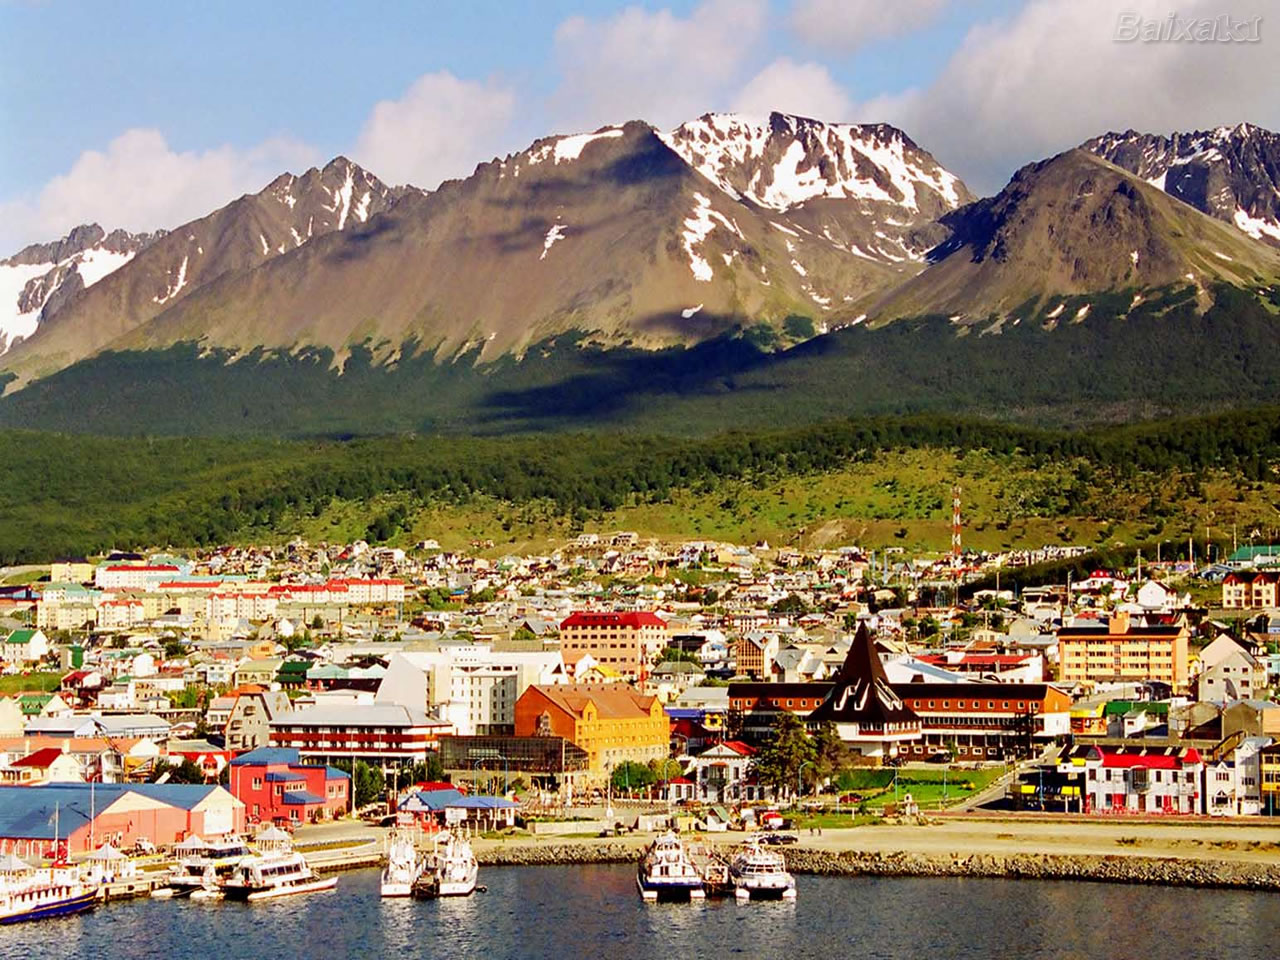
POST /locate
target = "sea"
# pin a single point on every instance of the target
(566, 912)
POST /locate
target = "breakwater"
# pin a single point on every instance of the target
(1164, 871)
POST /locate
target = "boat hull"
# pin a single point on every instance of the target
(745, 892)
(393, 888)
(668, 892)
(60, 908)
(254, 895)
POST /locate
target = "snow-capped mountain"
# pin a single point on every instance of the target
(256, 228)
(889, 191)
(1231, 173)
(40, 279)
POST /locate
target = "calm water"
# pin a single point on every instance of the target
(570, 912)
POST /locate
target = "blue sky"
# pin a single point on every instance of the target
(143, 114)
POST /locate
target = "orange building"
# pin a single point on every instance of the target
(611, 722)
(1122, 653)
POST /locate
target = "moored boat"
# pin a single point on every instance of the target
(30, 894)
(759, 873)
(451, 871)
(667, 873)
(205, 864)
(275, 870)
(403, 865)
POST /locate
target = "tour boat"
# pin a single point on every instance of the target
(761, 874)
(276, 870)
(403, 865)
(667, 873)
(30, 894)
(205, 864)
(451, 871)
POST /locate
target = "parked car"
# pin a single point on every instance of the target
(780, 839)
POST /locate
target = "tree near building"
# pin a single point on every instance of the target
(831, 754)
(629, 775)
(780, 758)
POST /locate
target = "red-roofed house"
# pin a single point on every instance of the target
(45, 765)
(721, 772)
(626, 642)
(1137, 779)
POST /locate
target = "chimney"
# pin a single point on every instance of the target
(1119, 622)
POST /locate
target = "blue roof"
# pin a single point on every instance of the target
(331, 772)
(265, 755)
(28, 812)
(484, 803)
(432, 801)
(283, 777)
(302, 796)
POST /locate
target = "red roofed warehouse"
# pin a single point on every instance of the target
(624, 641)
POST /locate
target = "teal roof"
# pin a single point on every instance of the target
(1253, 552)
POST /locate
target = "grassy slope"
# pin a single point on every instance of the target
(901, 498)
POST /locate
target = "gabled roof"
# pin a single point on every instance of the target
(861, 692)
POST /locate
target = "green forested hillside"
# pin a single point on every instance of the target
(62, 494)
(1162, 358)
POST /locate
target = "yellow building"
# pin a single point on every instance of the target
(1269, 761)
(611, 722)
(1119, 652)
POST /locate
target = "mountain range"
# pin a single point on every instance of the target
(629, 242)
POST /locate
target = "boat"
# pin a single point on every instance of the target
(759, 873)
(403, 865)
(204, 865)
(30, 894)
(713, 867)
(275, 870)
(667, 873)
(450, 871)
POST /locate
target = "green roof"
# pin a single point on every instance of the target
(1118, 708)
(20, 636)
(33, 703)
(1253, 552)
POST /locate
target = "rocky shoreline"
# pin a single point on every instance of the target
(1164, 871)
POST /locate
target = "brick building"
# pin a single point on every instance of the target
(625, 642)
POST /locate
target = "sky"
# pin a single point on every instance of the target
(141, 114)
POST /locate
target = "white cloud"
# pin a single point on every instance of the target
(140, 183)
(849, 24)
(807, 89)
(440, 129)
(1052, 76)
(654, 66)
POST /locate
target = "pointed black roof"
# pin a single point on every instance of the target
(861, 692)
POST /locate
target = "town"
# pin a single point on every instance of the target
(303, 683)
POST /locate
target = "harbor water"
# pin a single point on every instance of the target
(565, 912)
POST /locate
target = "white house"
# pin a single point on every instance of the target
(23, 647)
(1232, 785)
(721, 772)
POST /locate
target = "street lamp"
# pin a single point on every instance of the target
(799, 780)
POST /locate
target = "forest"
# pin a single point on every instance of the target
(65, 494)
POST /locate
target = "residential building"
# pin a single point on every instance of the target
(983, 721)
(1247, 590)
(1117, 652)
(24, 647)
(472, 686)
(721, 773)
(275, 786)
(1233, 675)
(1136, 779)
(249, 715)
(611, 722)
(755, 652)
(1269, 778)
(1233, 780)
(627, 642)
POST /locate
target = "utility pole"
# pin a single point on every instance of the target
(955, 525)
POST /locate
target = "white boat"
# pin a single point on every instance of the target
(759, 873)
(275, 870)
(451, 871)
(403, 865)
(30, 894)
(205, 864)
(667, 873)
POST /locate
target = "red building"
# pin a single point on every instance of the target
(276, 788)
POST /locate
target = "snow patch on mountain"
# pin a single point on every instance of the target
(178, 284)
(555, 233)
(697, 227)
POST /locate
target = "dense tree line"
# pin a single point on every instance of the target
(63, 494)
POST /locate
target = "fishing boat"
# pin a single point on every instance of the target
(713, 867)
(667, 873)
(275, 870)
(450, 871)
(204, 865)
(30, 894)
(761, 874)
(403, 865)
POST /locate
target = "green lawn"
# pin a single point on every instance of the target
(29, 683)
